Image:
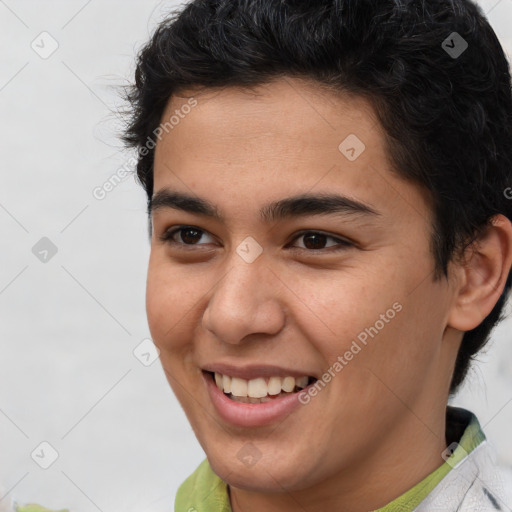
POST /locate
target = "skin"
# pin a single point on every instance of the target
(377, 428)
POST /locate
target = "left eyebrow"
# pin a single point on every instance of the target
(318, 204)
(290, 207)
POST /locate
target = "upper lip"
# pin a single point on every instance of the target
(253, 371)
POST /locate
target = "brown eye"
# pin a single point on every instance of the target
(315, 241)
(188, 235)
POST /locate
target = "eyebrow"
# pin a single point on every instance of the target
(289, 207)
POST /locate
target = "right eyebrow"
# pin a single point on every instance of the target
(179, 201)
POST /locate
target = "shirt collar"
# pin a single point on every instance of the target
(204, 491)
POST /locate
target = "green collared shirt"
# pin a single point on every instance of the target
(204, 491)
(31, 507)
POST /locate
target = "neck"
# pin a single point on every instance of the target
(403, 457)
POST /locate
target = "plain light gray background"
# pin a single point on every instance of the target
(69, 325)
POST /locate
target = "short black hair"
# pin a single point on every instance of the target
(446, 109)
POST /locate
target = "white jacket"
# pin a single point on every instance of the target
(475, 484)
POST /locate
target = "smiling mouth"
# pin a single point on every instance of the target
(261, 389)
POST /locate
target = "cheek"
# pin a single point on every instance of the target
(166, 306)
(335, 308)
(170, 320)
(400, 350)
(377, 318)
(157, 303)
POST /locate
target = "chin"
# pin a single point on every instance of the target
(266, 474)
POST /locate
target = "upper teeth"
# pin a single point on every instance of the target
(259, 387)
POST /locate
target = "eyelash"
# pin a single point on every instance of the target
(342, 244)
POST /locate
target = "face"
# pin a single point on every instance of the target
(299, 260)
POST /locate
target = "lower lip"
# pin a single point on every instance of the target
(250, 415)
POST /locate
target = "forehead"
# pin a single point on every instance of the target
(298, 115)
(288, 135)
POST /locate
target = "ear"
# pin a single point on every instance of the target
(482, 276)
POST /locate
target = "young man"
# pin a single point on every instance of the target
(331, 245)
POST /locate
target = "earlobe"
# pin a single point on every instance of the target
(483, 275)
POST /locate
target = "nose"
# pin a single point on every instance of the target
(247, 300)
